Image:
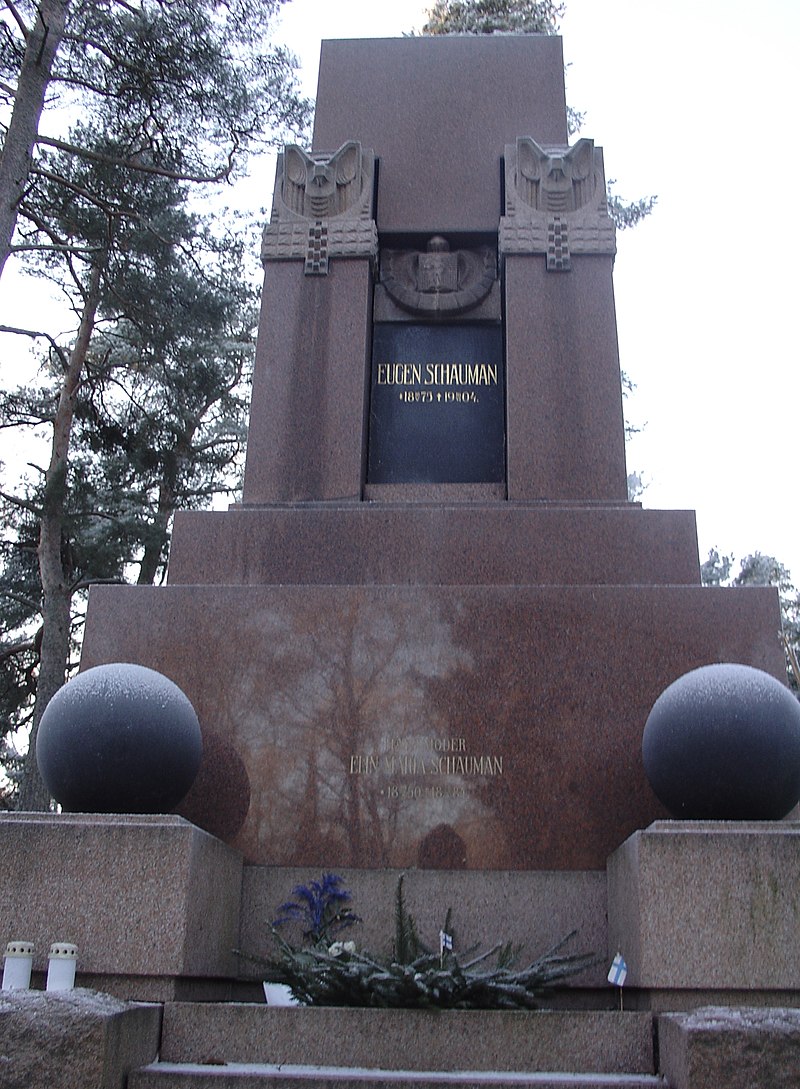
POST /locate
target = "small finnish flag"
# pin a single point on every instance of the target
(445, 941)
(619, 971)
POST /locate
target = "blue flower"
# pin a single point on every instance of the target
(321, 909)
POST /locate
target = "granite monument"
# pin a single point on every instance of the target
(431, 632)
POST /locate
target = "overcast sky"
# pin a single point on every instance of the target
(695, 101)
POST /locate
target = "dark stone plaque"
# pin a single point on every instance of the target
(437, 404)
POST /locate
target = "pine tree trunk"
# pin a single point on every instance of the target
(154, 548)
(44, 38)
(56, 580)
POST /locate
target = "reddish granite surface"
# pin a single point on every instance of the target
(438, 112)
(369, 717)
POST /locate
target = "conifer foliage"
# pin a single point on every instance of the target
(414, 976)
(142, 405)
(493, 16)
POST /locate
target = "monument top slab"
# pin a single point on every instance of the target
(438, 112)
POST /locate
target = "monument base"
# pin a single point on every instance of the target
(439, 727)
(706, 911)
(740, 1049)
(151, 902)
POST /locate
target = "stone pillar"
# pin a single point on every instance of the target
(565, 428)
(308, 419)
(307, 436)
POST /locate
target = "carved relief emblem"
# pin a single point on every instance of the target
(320, 187)
(322, 207)
(555, 181)
(438, 280)
(555, 202)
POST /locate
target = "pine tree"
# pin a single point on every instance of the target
(164, 323)
(493, 17)
(184, 86)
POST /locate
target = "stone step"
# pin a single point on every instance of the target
(596, 1042)
(166, 1075)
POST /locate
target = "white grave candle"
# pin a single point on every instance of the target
(61, 963)
(17, 966)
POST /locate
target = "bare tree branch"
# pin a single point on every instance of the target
(34, 334)
(92, 198)
(37, 247)
(135, 164)
(21, 504)
(17, 16)
(85, 584)
(17, 648)
(21, 599)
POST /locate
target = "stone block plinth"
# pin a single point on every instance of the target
(705, 907)
(740, 1049)
(73, 1039)
(475, 544)
(151, 902)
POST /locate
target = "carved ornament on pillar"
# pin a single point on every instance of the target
(555, 202)
(322, 207)
(438, 281)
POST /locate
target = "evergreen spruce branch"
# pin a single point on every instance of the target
(414, 977)
(357, 979)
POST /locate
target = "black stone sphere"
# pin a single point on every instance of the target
(723, 743)
(119, 739)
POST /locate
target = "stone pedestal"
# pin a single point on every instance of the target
(151, 902)
(702, 910)
(444, 543)
(74, 1039)
(418, 1041)
(740, 1049)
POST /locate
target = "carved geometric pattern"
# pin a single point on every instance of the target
(317, 253)
(555, 202)
(517, 237)
(284, 241)
(557, 245)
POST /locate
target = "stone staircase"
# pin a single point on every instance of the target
(245, 1046)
